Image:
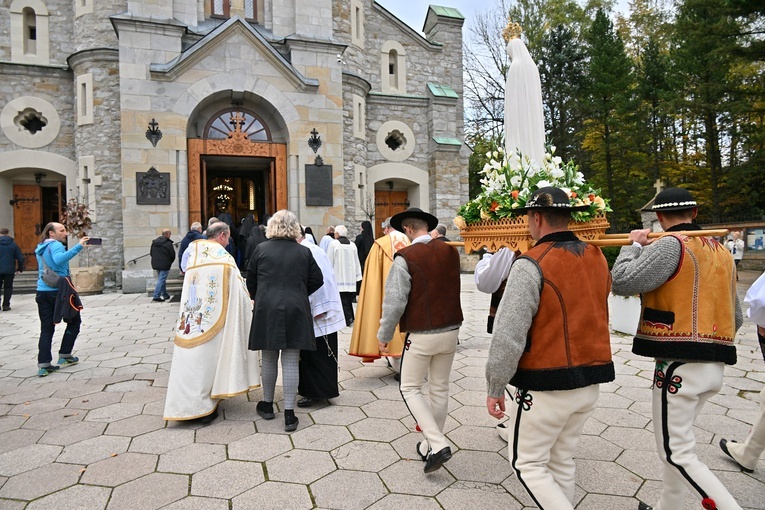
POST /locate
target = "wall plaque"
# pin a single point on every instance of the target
(152, 187)
(318, 185)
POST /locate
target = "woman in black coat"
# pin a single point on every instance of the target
(364, 242)
(281, 275)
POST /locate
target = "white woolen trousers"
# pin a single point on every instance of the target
(679, 393)
(748, 453)
(428, 356)
(544, 430)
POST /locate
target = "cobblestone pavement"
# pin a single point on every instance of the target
(92, 436)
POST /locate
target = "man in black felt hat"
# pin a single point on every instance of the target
(690, 314)
(422, 293)
(552, 342)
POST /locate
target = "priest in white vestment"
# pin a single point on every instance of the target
(210, 359)
(344, 257)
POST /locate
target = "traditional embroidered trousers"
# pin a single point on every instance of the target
(428, 356)
(679, 393)
(544, 430)
(748, 453)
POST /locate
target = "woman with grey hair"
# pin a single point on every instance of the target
(281, 275)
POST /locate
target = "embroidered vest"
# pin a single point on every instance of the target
(691, 317)
(434, 300)
(569, 343)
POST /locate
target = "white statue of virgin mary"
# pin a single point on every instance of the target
(524, 119)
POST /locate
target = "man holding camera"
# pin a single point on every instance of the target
(51, 308)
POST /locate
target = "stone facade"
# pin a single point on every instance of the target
(385, 100)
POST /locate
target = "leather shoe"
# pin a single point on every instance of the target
(305, 402)
(290, 421)
(209, 418)
(397, 377)
(423, 457)
(437, 459)
(724, 448)
(265, 410)
(643, 506)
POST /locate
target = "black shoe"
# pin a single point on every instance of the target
(157, 300)
(643, 506)
(397, 377)
(209, 418)
(424, 458)
(305, 402)
(436, 460)
(7, 308)
(724, 448)
(290, 420)
(266, 410)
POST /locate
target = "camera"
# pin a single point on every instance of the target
(97, 241)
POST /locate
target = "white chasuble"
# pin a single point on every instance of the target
(210, 357)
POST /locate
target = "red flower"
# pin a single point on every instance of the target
(514, 194)
(494, 206)
(573, 194)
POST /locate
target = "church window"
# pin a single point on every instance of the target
(31, 120)
(395, 140)
(30, 31)
(357, 23)
(84, 99)
(359, 117)
(393, 68)
(220, 8)
(237, 119)
(249, 10)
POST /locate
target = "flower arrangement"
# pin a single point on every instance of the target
(509, 180)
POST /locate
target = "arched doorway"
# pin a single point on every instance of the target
(235, 168)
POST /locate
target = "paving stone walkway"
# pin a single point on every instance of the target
(92, 436)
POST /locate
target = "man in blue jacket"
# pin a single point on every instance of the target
(51, 253)
(192, 235)
(11, 262)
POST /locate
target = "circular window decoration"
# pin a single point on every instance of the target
(30, 122)
(395, 141)
(237, 119)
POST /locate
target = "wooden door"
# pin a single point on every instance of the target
(27, 221)
(388, 203)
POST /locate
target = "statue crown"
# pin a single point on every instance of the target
(513, 30)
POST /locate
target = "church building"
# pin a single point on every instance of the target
(160, 113)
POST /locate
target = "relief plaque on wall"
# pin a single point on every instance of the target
(152, 187)
(318, 185)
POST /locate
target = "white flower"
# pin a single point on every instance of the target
(488, 155)
(543, 184)
(496, 155)
(557, 160)
(557, 173)
(552, 149)
(515, 181)
(579, 179)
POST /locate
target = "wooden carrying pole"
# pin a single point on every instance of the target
(623, 239)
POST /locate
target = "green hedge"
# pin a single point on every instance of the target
(611, 252)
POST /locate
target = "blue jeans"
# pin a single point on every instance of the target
(161, 288)
(46, 303)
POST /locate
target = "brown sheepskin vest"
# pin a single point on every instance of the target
(434, 300)
(569, 343)
(692, 316)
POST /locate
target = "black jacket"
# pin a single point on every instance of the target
(191, 235)
(10, 255)
(281, 275)
(162, 253)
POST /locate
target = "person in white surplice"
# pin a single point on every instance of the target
(210, 359)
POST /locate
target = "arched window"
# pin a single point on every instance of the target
(393, 68)
(29, 31)
(237, 119)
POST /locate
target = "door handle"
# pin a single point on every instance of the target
(38, 229)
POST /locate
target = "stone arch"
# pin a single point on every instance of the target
(415, 179)
(18, 13)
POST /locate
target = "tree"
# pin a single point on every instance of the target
(609, 89)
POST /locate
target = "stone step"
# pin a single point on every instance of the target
(174, 286)
(25, 283)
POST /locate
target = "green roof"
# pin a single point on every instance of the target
(449, 12)
(445, 140)
(442, 90)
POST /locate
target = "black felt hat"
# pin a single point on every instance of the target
(550, 197)
(673, 199)
(413, 212)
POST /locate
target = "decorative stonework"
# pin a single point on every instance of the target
(152, 187)
(395, 141)
(18, 123)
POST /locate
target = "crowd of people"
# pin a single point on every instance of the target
(548, 316)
